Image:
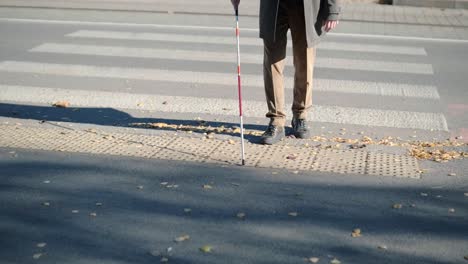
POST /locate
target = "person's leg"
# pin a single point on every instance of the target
(273, 66)
(304, 59)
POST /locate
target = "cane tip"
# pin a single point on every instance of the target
(243, 162)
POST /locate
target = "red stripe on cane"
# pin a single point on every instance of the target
(238, 69)
(237, 31)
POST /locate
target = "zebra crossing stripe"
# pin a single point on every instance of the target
(330, 63)
(228, 40)
(181, 104)
(327, 85)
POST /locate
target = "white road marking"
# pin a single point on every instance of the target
(140, 25)
(228, 40)
(328, 85)
(192, 55)
(180, 104)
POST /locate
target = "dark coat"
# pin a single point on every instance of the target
(315, 12)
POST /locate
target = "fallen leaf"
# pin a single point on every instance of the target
(75, 211)
(93, 214)
(382, 247)
(98, 204)
(187, 210)
(274, 172)
(41, 245)
(424, 194)
(357, 146)
(182, 238)
(164, 183)
(46, 182)
(164, 259)
(206, 249)
(293, 214)
(37, 255)
(61, 104)
(452, 174)
(397, 206)
(291, 157)
(356, 232)
(295, 172)
(231, 142)
(335, 261)
(140, 187)
(451, 210)
(241, 216)
(46, 203)
(466, 194)
(313, 260)
(207, 187)
(155, 253)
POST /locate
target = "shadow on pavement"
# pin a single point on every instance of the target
(134, 221)
(110, 117)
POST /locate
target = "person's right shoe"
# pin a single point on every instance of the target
(300, 129)
(273, 134)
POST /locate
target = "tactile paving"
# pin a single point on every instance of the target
(302, 158)
(138, 145)
(384, 164)
(230, 152)
(288, 157)
(340, 161)
(188, 149)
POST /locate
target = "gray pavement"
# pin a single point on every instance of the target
(145, 75)
(141, 206)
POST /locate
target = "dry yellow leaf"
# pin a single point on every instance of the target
(356, 232)
(61, 104)
(207, 187)
(37, 255)
(335, 261)
(397, 206)
(93, 214)
(206, 249)
(182, 238)
(313, 260)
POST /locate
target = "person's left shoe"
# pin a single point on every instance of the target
(300, 129)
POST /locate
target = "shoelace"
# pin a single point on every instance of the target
(300, 124)
(270, 130)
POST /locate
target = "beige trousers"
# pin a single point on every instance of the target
(290, 16)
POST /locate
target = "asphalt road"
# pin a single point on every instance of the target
(115, 69)
(138, 213)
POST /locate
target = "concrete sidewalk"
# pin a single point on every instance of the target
(361, 17)
(215, 146)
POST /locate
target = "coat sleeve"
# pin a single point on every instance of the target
(334, 10)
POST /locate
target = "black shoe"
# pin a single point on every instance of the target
(273, 134)
(300, 129)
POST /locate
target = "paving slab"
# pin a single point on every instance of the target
(208, 150)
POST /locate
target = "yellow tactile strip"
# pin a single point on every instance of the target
(297, 158)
